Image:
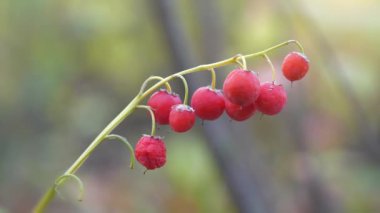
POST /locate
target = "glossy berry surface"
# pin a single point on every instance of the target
(181, 118)
(295, 66)
(241, 87)
(207, 103)
(150, 151)
(272, 98)
(238, 112)
(161, 103)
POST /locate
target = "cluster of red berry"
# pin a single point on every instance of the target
(242, 94)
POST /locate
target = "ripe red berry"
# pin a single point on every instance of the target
(150, 151)
(240, 113)
(181, 118)
(272, 98)
(207, 103)
(295, 66)
(161, 103)
(241, 87)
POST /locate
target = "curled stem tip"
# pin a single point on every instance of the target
(129, 146)
(185, 99)
(271, 66)
(213, 78)
(144, 85)
(152, 116)
(61, 179)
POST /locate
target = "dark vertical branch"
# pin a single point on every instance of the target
(176, 38)
(212, 29)
(246, 181)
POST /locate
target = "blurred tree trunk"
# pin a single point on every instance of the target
(233, 151)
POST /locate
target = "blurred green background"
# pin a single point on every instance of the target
(67, 67)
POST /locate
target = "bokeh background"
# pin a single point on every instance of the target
(67, 67)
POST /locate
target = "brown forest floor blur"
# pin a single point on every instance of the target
(68, 67)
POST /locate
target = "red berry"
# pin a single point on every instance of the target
(208, 103)
(161, 103)
(241, 87)
(150, 151)
(181, 118)
(240, 113)
(272, 98)
(295, 66)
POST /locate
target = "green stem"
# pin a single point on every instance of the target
(244, 62)
(106, 131)
(45, 200)
(213, 78)
(60, 180)
(299, 45)
(240, 61)
(185, 99)
(271, 66)
(50, 193)
(275, 47)
(153, 132)
(124, 141)
(168, 87)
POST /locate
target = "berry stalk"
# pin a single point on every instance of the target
(153, 132)
(186, 87)
(276, 47)
(213, 78)
(243, 62)
(271, 67)
(130, 108)
(168, 87)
